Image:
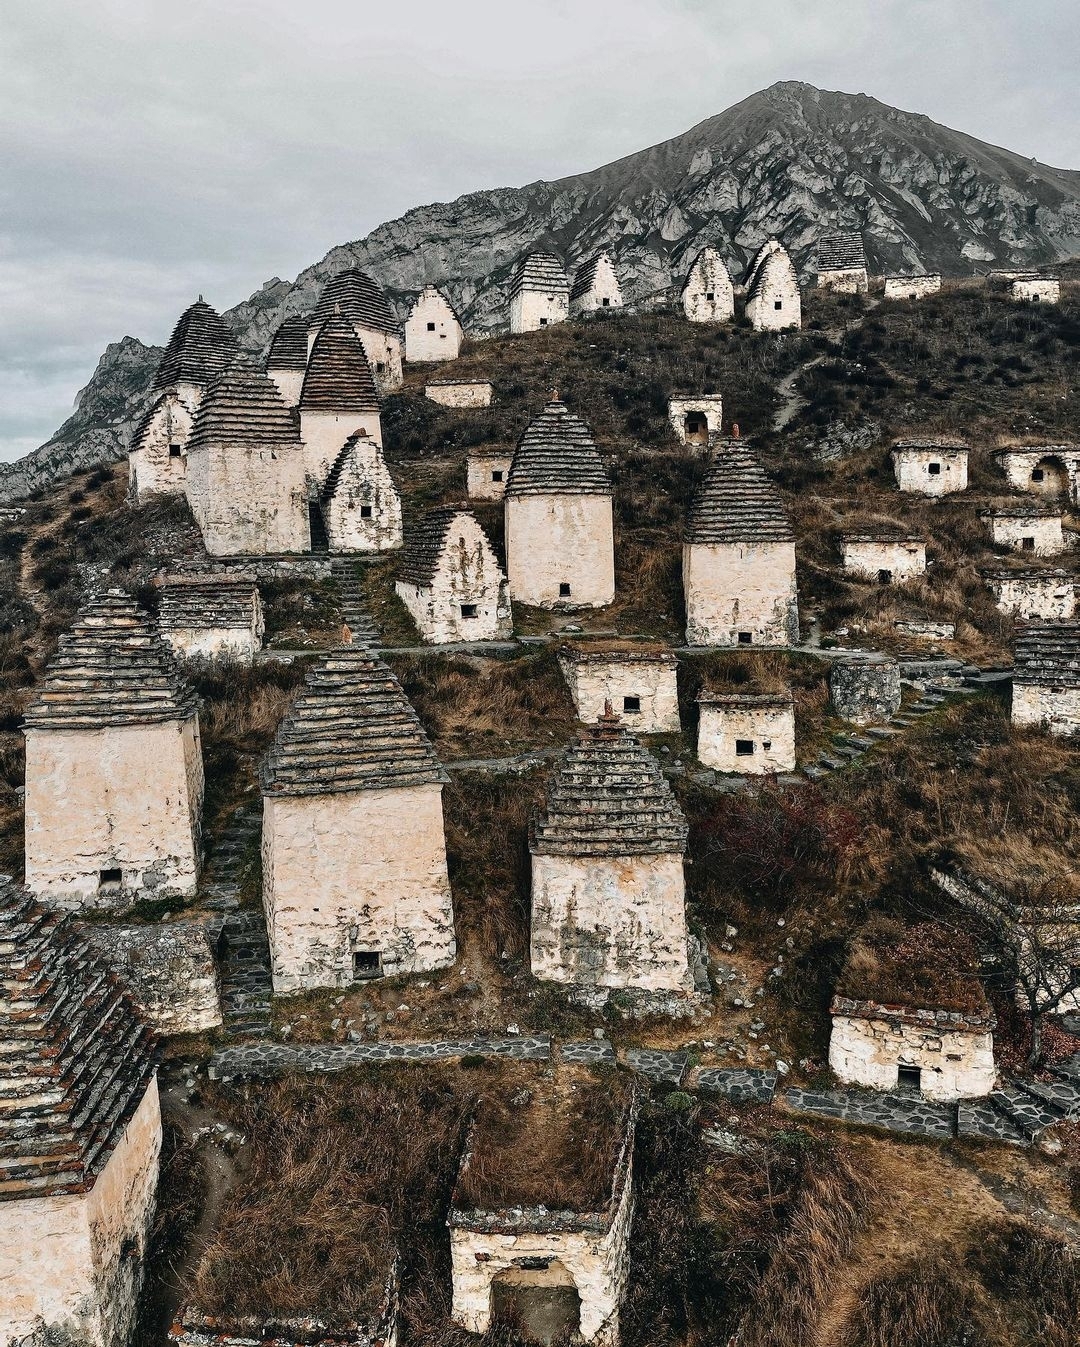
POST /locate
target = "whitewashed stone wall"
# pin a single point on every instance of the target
(776, 303)
(531, 310)
(289, 383)
(553, 541)
(468, 576)
(603, 293)
(652, 683)
(724, 729)
(364, 512)
(432, 331)
(610, 921)
(324, 435)
(1052, 595)
(169, 969)
(914, 470)
(123, 798)
(734, 588)
(474, 394)
(869, 557)
(158, 462)
(710, 406)
(249, 499)
(232, 643)
(848, 281)
(486, 475)
(1056, 709)
(1040, 535)
(73, 1265)
(708, 296)
(1033, 291)
(338, 879)
(911, 287)
(1044, 471)
(955, 1063)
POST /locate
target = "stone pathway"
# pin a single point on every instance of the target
(271, 1059)
(657, 1066)
(894, 1112)
(354, 613)
(518, 765)
(741, 1085)
(591, 1052)
(246, 985)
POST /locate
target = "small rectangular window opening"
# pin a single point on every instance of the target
(778, 304)
(631, 704)
(496, 474)
(744, 748)
(468, 610)
(709, 296)
(431, 327)
(934, 469)
(766, 744)
(564, 590)
(380, 367)
(175, 451)
(909, 1078)
(366, 963)
(1037, 474)
(606, 302)
(365, 511)
(110, 879)
(1028, 544)
(745, 638)
(543, 322)
(884, 577)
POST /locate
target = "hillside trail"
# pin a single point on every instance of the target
(791, 401)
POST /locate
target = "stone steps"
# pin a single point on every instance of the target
(1023, 1110)
(354, 612)
(657, 1066)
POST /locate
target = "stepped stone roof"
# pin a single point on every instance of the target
(213, 601)
(289, 349)
(740, 699)
(338, 377)
(112, 668)
(766, 250)
(430, 290)
(147, 417)
(75, 1059)
(841, 252)
(557, 455)
(1048, 652)
(884, 534)
(333, 477)
(542, 272)
(608, 797)
(586, 275)
(737, 502)
(425, 544)
(708, 254)
(770, 259)
(351, 729)
(243, 406)
(358, 298)
(201, 346)
(609, 652)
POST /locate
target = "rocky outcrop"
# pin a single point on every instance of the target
(792, 162)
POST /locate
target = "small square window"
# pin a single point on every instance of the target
(365, 511)
(606, 302)
(1037, 474)
(496, 474)
(366, 963)
(744, 748)
(175, 450)
(709, 295)
(778, 304)
(934, 469)
(431, 327)
(766, 744)
(745, 638)
(543, 322)
(110, 879)
(469, 610)
(1028, 544)
(631, 704)
(380, 367)
(564, 590)
(909, 1078)
(884, 577)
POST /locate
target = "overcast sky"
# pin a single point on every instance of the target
(150, 150)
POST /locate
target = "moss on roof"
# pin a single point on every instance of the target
(927, 967)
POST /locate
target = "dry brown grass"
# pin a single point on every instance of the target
(927, 965)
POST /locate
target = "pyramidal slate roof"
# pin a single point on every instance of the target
(75, 1058)
(338, 377)
(540, 271)
(351, 728)
(556, 454)
(243, 406)
(737, 502)
(358, 298)
(608, 797)
(841, 252)
(708, 256)
(112, 668)
(200, 347)
(1048, 653)
(771, 260)
(425, 544)
(333, 477)
(214, 602)
(586, 275)
(289, 349)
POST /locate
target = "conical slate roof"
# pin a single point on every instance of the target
(75, 1059)
(214, 602)
(608, 797)
(200, 347)
(338, 377)
(737, 503)
(243, 406)
(841, 252)
(358, 298)
(556, 454)
(352, 728)
(1048, 653)
(112, 668)
(289, 349)
(540, 271)
(425, 543)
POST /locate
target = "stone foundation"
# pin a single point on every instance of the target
(169, 969)
(865, 691)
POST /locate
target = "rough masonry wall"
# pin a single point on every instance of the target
(169, 969)
(1060, 472)
(850, 281)
(912, 471)
(337, 879)
(444, 341)
(709, 276)
(364, 484)
(610, 921)
(1027, 596)
(901, 560)
(289, 383)
(740, 587)
(955, 1064)
(911, 287)
(532, 309)
(780, 287)
(553, 540)
(151, 465)
(477, 394)
(711, 406)
(384, 355)
(1035, 292)
(1056, 711)
(324, 435)
(653, 682)
(1044, 532)
(771, 730)
(481, 483)
(249, 500)
(467, 575)
(603, 293)
(125, 797)
(216, 642)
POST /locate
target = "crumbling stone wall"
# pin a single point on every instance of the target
(914, 469)
(1040, 535)
(153, 464)
(709, 405)
(486, 475)
(362, 512)
(865, 689)
(249, 499)
(234, 643)
(652, 683)
(557, 540)
(468, 577)
(752, 735)
(476, 394)
(844, 281)
(735, 590)
(1056, 709)
(1049, 470)
(869, 1043)
(1027, 594)
(708, 296)
(169, 969)
(1035, 290)
(911, 287)
(869, 557)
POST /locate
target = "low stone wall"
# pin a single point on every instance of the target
(911, 287)
(459, 394)
(1053, 709)
(865, 691)
(1028, 594)
(169, 969)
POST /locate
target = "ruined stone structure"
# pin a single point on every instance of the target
(201, 347)
(739, 558)
(486, 473)
(596, 286)
(1046, 677)
(354, 856)
(245, 478)
(286, 361)
(1025, 528)
(929, 467)
(1043, 470)
(360, 502)
(451, 581)
(697, 421)
(555, 1272)
(708, 295)
(539, 293)
(865, 688)
(749, 733)
(608, 892)
(773, 298)
(560, 547)
(1035, 289)
(361, 302)
(80, 1135)
(841, 264)
(458, 393)
(114, 775)
(338, 400)
(169, 969)
(211, 617)
(640, 682)
(433, 330)
(1031, 593)
(912, 287)
(888, 558)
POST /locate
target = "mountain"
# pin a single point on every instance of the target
(791, 161)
